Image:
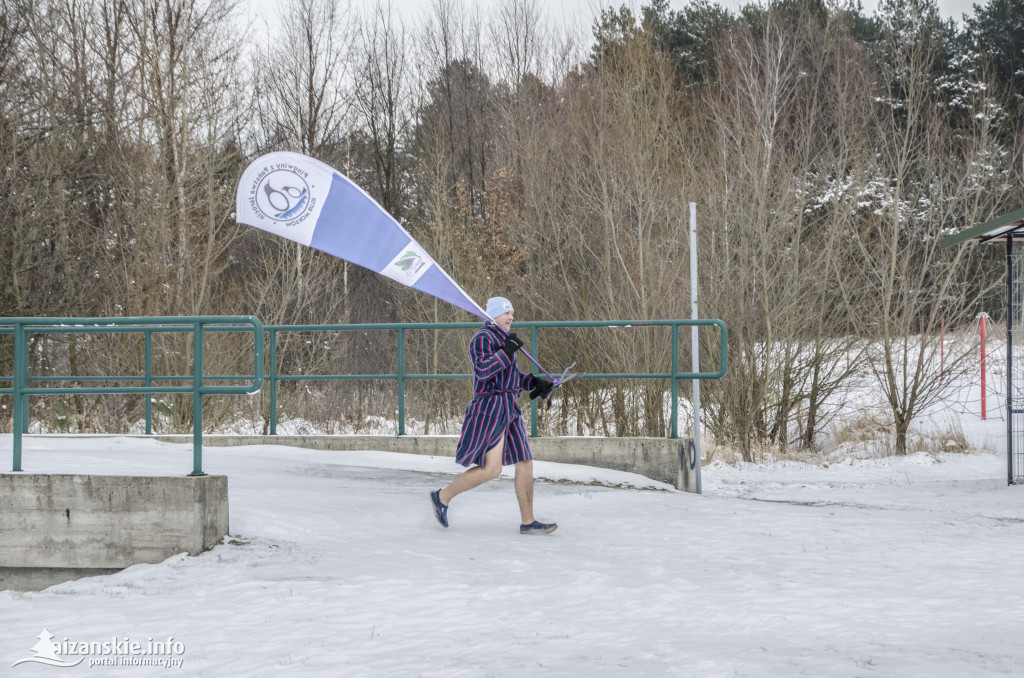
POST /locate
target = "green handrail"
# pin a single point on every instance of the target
(20, 390)
(401, 376)
(198, 384)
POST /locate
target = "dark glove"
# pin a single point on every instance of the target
(512, 344)
(541, 388)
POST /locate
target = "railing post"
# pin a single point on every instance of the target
(148, 359)
(1010, 310)
(401, 381)
(533, 370)
(20, 369)
(24, 380)
(675, 381)
(197, 400)
(273, 382)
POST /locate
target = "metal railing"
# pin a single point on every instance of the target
(401, 376)
(20, 389)
(21, 328)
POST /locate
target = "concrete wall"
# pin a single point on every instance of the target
(656, 458)
(64, 526)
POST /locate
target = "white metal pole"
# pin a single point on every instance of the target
(695, 345)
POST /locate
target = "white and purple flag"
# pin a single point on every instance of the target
(302, 199)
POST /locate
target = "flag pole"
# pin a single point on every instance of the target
(527, 354)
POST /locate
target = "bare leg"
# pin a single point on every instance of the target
(524, 490)
(476, 476)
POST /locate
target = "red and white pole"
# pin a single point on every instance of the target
(847, 345)
(942, 347)
(981, 324)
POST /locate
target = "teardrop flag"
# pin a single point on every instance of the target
(305, 200)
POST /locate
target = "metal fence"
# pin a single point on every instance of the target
(401, 376)
(199, 384)
(1015, 367)
(20, 390)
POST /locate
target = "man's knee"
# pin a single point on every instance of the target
(492, 462)
(524, 466)
(492, 469)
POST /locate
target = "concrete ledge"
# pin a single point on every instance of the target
(39, 578)
(656, 458)
(89, 522)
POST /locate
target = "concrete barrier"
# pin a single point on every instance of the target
(656, 458)
(59, 527)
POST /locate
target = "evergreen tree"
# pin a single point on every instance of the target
(996, 32)
(688, 35)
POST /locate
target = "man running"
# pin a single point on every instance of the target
(493, 434)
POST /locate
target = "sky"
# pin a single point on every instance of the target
(584, 11)
(581, 13)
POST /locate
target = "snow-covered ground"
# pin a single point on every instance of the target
(336, 567)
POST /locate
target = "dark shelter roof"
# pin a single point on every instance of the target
(990, 231)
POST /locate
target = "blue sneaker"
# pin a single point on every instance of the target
(440, 510)
(537, 527)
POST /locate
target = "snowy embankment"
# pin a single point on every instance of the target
(883, 567)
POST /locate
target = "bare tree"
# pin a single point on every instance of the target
(459, 95)
(790, 116)
(303, 102)
(518, 36)
(907, 284)
(384, 101)
(302, 77)
(758, 245)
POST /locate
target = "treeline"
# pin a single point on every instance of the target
(827, 152)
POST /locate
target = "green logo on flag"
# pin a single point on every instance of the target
(406, 261)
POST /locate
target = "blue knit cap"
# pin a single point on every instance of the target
(498, 305)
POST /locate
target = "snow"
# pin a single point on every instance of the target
(336, 567)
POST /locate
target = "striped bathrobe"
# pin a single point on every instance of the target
(493, 413)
